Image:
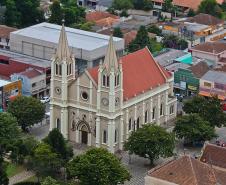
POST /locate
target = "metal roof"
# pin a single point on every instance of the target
(215, 76)
(76, 38)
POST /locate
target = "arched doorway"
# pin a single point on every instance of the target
(84, 133)
(58, 126)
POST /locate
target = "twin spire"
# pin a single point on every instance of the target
(63, 51)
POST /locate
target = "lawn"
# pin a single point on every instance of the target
(31, 179)
(13, 169)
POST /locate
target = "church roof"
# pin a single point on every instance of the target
(140, 73)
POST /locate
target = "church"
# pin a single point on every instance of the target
(104, 104)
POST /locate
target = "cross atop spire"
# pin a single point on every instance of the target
(63, 50)
(111, 60)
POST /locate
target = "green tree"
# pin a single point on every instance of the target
(9, 133)
(49, 181)
(155, 29)
(172, 41)
(191, 13)
(27, 110)
(193, 128)
(3, 176)
(167, 6)
(151, 142)
(45, 162)
(117, 32)
(122, 4)
(209, 109)
(59, 145)
(97, 166)
(12, 16)
(141, 41)
(56, 13)
(142, 4)
(210, 7)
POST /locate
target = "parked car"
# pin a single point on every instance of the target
(220, 143)
(45, 99)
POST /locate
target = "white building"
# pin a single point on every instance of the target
(102, 106)
(41, 41)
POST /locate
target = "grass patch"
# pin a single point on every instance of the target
(31, 179)
(13, 169)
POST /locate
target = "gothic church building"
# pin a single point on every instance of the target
(103, 105)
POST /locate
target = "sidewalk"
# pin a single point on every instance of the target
(20, 177)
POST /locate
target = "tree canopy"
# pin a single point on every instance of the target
(59, 145)
(97, 166)
(167, 6)
(117, 32)
(209, 109)
(193, 128)
(210, 7)
(172, 41)
(49, 181)
(17, 12)
(27, 110)
(151, 142)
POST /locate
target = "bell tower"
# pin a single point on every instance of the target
(62, 73)
(110, 97)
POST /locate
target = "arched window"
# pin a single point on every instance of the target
(115, 80)
(153, 113)
(56, 69)
(161, 109)
(138, 123)
(67, 69)
(108, 81)
(60, 69)
(105, 136)
(130, 124)
(118, 79)
(70, 69)
(116, 136)
(146, 117)
(104, 80)
(58, 124)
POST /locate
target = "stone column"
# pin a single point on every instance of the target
(64, 122)
(98, 132)
(121, 131)
(158, 111)
(52, 119)
(111, 135)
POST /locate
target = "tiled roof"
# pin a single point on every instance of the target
(211, 47)
(199, 69)
(205, 19)
(106, 22)
(5, 31)
(129, 37)
(188, 171)
(31, 73)
(95, 16)
(140, 73)
(192, 4)
(214, 155)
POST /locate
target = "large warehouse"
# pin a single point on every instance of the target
(41, 40)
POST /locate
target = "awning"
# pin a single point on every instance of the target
(208, 94)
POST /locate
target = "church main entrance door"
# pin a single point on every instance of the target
(84, 137)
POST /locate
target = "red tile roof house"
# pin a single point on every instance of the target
(184, 4)
(33, 82)
(212, 51)
(186, 171)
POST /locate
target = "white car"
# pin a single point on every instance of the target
(45, 99)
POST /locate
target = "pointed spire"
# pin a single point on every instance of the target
(111, 60)
(63, 50)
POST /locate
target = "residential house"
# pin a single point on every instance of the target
(8, 92)
(33, 82)
(212, 51)
(185, 171)
(103, 5)
(5, 36)
(184, 5)
(186, 80)
(213, 83)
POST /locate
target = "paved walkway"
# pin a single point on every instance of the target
(20, 177)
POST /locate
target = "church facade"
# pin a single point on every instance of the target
(103, 105)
